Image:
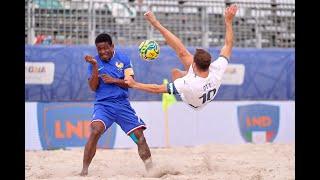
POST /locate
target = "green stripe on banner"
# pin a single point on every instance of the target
(249, 136)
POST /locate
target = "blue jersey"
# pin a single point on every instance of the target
(115, 68)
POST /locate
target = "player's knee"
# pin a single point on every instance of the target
(174, 71)
(96, 131)
(97, 128)
(139, 140)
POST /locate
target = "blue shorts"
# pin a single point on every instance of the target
(119, 112)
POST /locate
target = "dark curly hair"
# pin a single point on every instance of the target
(104, 37)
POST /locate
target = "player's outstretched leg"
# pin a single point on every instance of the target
(143, 148)
(177, 73)
(97, 129)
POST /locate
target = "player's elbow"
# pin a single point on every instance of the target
(229, 43)
(155, 90)
(93, 86)
(182, 53)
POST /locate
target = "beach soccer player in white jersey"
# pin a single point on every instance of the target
(200, 81)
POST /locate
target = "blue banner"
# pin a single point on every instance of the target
(269, 73)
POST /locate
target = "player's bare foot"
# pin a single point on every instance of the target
(84, 172)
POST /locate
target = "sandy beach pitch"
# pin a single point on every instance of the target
(214, 161)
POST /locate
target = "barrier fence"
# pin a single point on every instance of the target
(198, 23)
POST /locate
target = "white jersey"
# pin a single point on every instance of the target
(197, 91)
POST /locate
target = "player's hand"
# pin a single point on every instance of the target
(107, 79)
(90, 60)
(129, 81)
(230, 12)
(151, 18)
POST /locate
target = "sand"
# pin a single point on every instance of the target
(214, 161)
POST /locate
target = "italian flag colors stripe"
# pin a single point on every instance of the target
(259, 136)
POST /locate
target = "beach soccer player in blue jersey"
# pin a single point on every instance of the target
(106, 73)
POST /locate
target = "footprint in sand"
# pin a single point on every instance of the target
(158, 172)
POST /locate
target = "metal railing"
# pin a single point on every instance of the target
(201, 23)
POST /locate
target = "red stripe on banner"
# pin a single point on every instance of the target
(269, 136)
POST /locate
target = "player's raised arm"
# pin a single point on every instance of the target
(152, 88)
(229, 13)
(184, 55)
(94, 79)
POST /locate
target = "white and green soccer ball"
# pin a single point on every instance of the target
(149, 50)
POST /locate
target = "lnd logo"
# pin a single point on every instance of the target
(68, 125)
(258, 123)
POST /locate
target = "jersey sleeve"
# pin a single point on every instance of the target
(219, 66)
(171, 89)
(128, 67)
(179, 85)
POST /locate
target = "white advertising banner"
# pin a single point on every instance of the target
(220, 122)
(39, 72)
(234, 74)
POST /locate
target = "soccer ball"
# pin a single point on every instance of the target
(149, 50)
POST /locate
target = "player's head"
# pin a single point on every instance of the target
(202, 59)
(104, 45)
